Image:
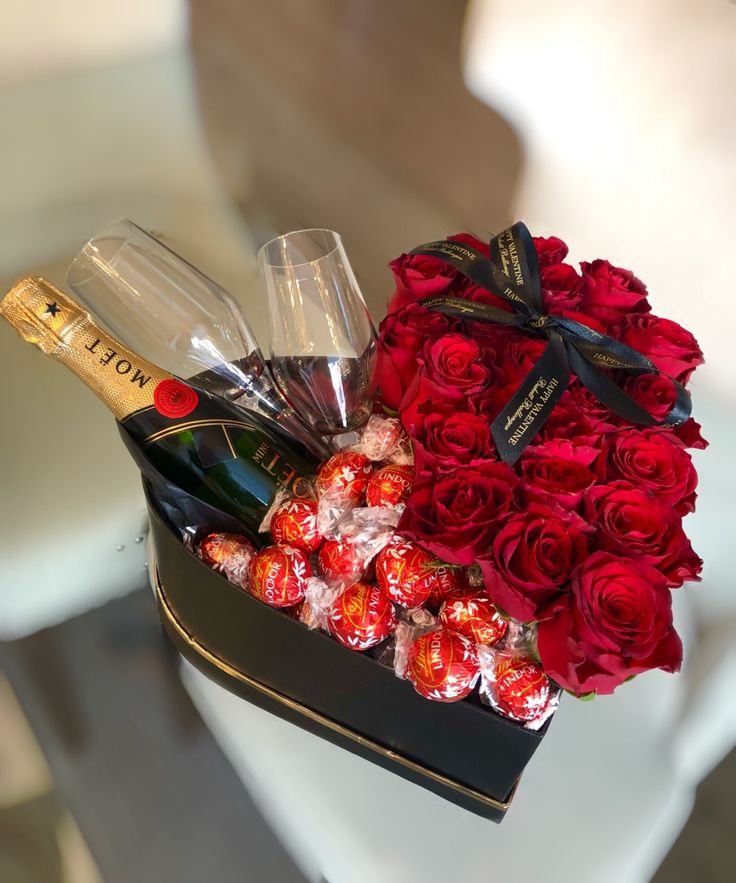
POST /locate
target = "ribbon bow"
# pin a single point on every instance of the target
(512, 273)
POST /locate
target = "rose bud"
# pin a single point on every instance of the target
(361, 617)
(550, 250)
(405, 573)
(672, 348)
(338, 560)
(228, 553)
(389, 486)
(278, 575)
(345, 475)
(295, 524)
(472, 614)
(611, 294)
(418, 276)
(442, 665)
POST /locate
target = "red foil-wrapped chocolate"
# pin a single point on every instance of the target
(442, 665)
(295, 524)
(446, 580)
(339, 560)
(361, 617)
(405, 572)
(389, 486)
(230, 553)
(345, 475)
(472, 613)
(278, 575)
(522, 689)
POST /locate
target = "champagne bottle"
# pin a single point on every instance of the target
(197, 441)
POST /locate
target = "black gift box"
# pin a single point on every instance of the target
(462, 751)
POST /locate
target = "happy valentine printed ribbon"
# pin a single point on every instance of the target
(512, 273)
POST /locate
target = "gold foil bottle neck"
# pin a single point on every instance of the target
(45, 316)
(40, 313)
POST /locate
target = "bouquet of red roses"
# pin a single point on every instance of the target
(550, 425)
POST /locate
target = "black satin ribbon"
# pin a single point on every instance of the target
(512, 273)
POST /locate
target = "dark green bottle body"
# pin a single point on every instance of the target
(224, 456)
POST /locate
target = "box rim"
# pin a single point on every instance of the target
(230, 670)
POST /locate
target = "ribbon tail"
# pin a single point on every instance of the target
(533, 402)
(460, 308)
(616, 400)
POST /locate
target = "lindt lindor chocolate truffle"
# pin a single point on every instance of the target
(389, 486)
(442, 665)
(361, 617)
(339, 560)
(405, 572)
(380, 437)
(278, 575)
(345, 475)
(445, 581)
(295, 524)
(473, 614)
(522, 689)
(229, 553)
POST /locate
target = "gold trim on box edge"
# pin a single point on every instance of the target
(327, 722)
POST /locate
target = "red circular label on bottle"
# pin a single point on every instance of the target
(172, 398)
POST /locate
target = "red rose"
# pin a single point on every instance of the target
(611, 293)
(632, 522)
(550, 250)
(562, 286)
(656, 394)
(452, 442)
(653, 460)
(481, 295)
(401, 336)
(424, 398)
(671, 347)
(557, 473)
(689, 434)
(584, 319)
(473, 241)
(515, 353)
(568, 420)
(494, 399)
(454, 517)
(593, 410)
(615, 623)
(453, 362)
(534, 554)
(418, 276)
(450, 370)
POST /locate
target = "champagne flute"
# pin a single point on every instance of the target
(323, 343)
(159, 305)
